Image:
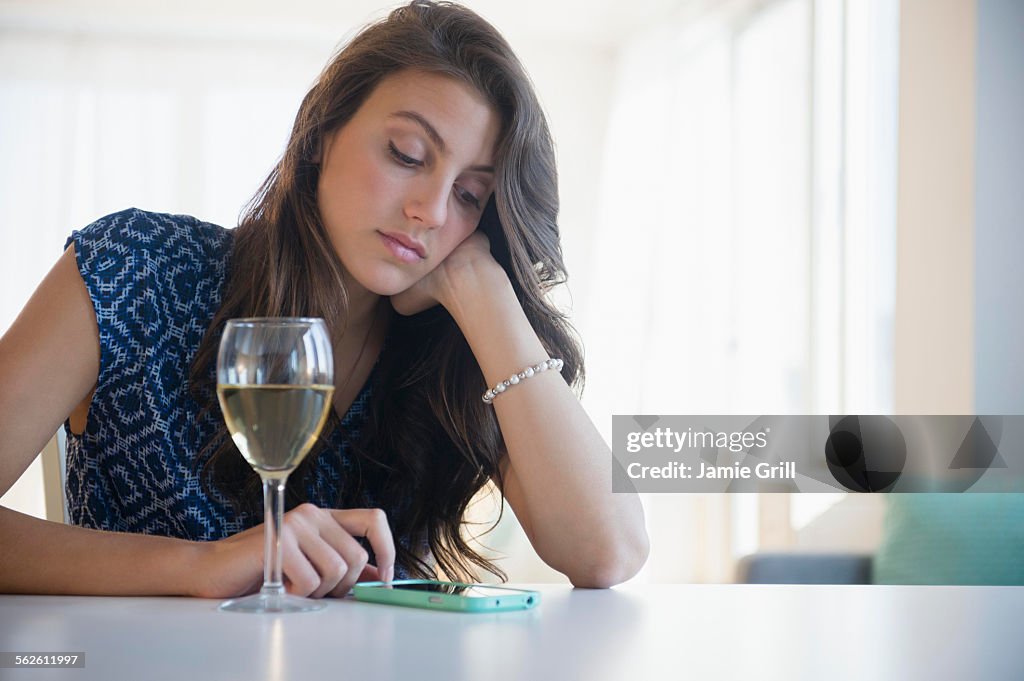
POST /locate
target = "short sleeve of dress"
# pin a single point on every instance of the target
(148, 274)
(155, 282)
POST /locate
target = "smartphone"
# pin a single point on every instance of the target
(435, 595)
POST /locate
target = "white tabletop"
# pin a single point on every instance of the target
(632, 632)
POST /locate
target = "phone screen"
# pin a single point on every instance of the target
(475, 591)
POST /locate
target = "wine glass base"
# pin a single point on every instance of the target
(273, 603)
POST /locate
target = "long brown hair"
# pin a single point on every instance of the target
(429, 443)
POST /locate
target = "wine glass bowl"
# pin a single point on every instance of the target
(275, 383)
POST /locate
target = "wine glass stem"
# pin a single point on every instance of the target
(273, 509)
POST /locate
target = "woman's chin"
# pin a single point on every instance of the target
(387, 283)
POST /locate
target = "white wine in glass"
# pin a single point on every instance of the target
(275, 381)
(274, 426)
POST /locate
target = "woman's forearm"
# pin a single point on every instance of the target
(43, 557)
(560, 463)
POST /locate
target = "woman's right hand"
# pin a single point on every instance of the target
(321, 556)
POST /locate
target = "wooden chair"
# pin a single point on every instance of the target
(53, 458)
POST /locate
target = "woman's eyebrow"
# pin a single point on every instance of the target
(425, 124)
(435, 137)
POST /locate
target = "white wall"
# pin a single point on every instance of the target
(934, 339)
(999, 208)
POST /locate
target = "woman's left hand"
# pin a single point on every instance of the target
(441, 285)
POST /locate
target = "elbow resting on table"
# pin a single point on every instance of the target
(611, 566)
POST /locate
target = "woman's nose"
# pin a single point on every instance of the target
(428, 204)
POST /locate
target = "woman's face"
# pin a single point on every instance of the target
(405, 181)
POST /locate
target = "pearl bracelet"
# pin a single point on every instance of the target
(528, 372)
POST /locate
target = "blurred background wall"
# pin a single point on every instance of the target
(768, 206)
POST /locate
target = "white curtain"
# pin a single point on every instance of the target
(743, 258)
(95, 123)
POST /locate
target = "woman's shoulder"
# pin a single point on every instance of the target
(133, 232)
(152, 267)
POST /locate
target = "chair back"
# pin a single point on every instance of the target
(54, 457)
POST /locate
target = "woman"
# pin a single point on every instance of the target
(419, 179)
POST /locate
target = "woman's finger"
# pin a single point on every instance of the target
(370, 574)
(334, 545)
(301, 578)
(331, 565)
(371, 523)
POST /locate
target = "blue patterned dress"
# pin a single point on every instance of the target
(155, 282)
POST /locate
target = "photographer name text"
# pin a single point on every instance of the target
(676, 470)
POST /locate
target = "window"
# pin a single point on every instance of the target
(744, 260)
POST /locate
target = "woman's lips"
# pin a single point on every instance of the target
(409, 251)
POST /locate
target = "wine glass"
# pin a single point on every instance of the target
(275, 381)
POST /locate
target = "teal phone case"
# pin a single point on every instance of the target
(503, 598)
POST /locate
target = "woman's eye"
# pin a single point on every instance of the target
(467, 197)
(403, 158)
